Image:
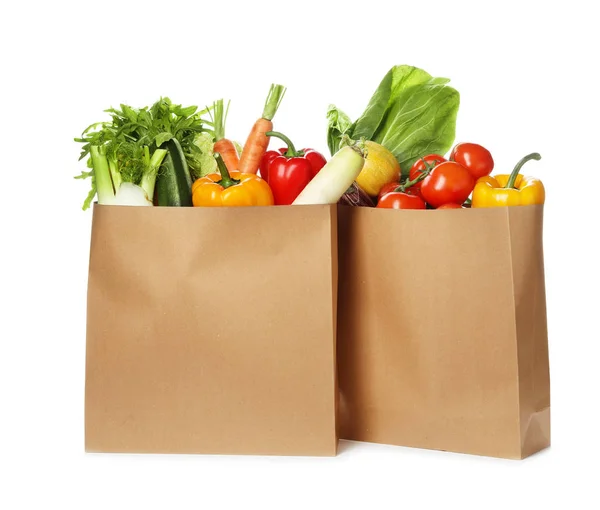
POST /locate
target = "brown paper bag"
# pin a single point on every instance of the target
(442, 337)
(212, 330)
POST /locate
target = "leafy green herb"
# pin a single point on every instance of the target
(411, 113)
(131, 144)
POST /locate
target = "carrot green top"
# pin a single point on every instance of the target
(276, 93)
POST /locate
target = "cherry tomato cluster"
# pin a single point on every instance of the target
(437, 182)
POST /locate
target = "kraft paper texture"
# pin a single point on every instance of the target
(212, 330)
(442, 338)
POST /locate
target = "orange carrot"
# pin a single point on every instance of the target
(222, 145)
(228, 152)
(258, 142)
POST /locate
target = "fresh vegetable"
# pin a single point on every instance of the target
(401, 200)
(380, 169)
(258, 141)
(475, 158)
(509, 190)
(411, 113)
(334, 179)
(201, 161)
(339, 124)
(423, 164)
(128, 148)
(230, 189)
(448, 182)
(225, 147)
(388, 188)
(118, 162)
(266, 160)
(404, 195)
(174, 184)
(355, 196)
(289, 172)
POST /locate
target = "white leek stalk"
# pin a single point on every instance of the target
(332, 181)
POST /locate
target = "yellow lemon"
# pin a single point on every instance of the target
(381, 167)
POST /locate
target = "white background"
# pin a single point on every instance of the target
(529, 82)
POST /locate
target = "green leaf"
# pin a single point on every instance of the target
(397, 79)
(84, 175)
(408, 76)
(411, 113)
(338, 124)
(366, 125)
(421, 121)
(162, 138)
(184, 112)
(199, 156)
(144, 117)
(91, 195)
(129, 113)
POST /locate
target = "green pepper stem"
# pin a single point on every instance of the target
(226, 179)
(291, 150)
(515, 173)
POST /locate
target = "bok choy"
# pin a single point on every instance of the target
(411, 114)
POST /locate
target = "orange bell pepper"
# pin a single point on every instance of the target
(230, 189)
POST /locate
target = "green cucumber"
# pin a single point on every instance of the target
(173, 183)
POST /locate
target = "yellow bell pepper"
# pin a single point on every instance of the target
(509, 190)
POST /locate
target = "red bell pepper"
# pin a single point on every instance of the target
(288, 171)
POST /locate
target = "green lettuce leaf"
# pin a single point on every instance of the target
(421, 121)
(394, 82)
(200, 157)
(338, 124)
(411, 113)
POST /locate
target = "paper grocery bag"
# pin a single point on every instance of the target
(212, 330)
(442, 338)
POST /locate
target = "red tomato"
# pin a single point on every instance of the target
(451, 206)
(387, 188)
(475, 158)
(447, 183)
(391, 186)
(400, 200)
(419, 166)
